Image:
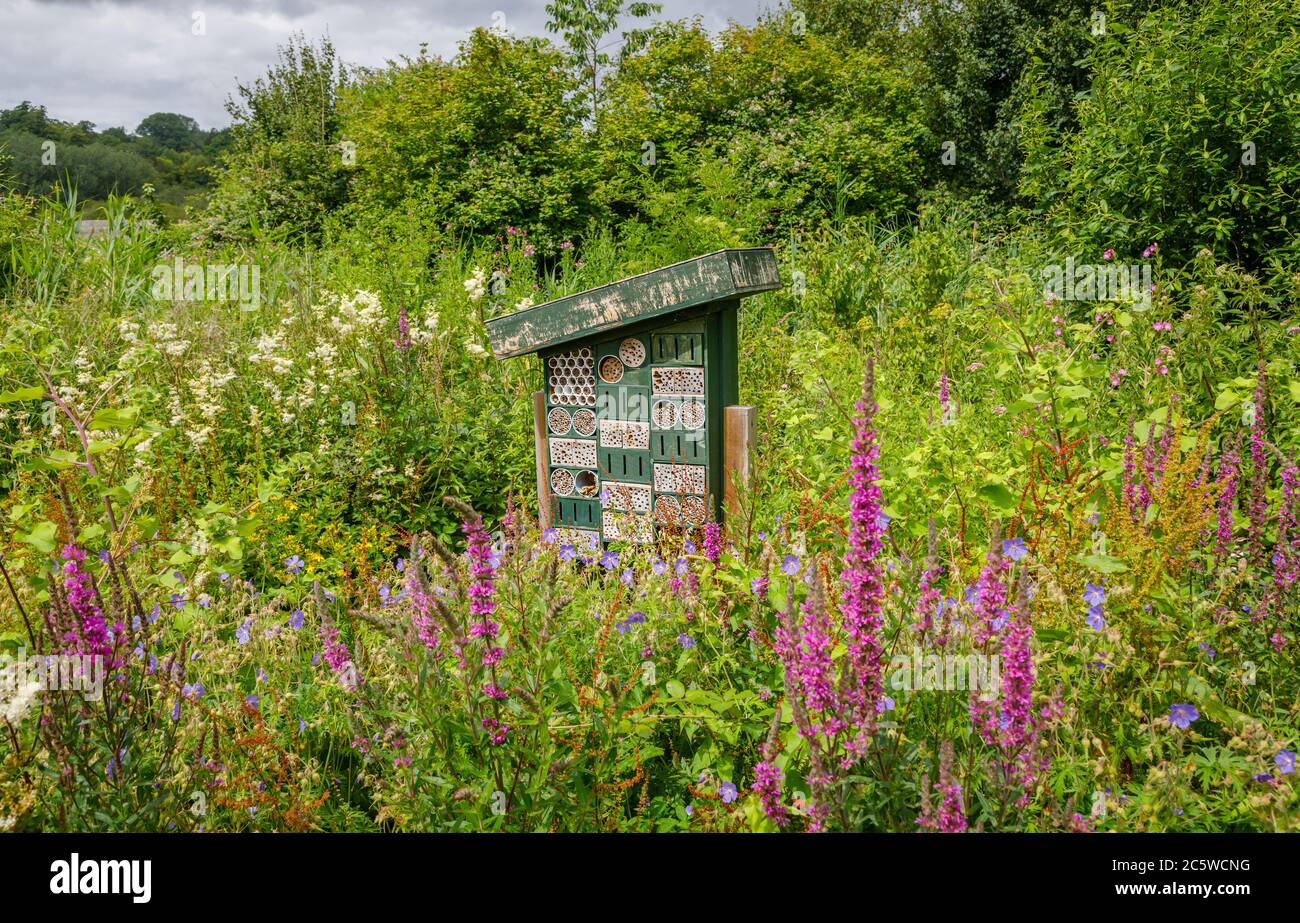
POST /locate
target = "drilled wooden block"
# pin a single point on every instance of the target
(611, 370)
(574, 453)
(578, 538)
(677, 379)
(624, 434)
(627, 527)
(626, 497)
(679, 479)
(632, 352)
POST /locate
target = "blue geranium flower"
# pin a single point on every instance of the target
(1182, 715)
(1015, 548)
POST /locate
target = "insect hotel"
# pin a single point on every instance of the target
(638, 425)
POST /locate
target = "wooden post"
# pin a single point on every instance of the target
(737, 440)
(542, 460)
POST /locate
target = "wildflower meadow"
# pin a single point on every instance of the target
(1019, 549)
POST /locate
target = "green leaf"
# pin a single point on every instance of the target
(42, 537)
(22, 394)
(998, 495)
(1102, 563)
(1227, 399)
(675, 689)
(114, 418)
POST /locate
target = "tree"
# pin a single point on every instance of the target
(176, 132)
(585, 24)
(489, 139)
(284, 166)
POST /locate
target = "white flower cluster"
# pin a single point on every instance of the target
(206, 388)
(166, 337)
(360, 314)
(16, 696)
(476, 285)
(267, 352)
(424, 331)
(85, 367)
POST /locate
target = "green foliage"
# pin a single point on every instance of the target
(284, 168)
(584, 25)
(169, 154)
(1187, 136)
(470, 146)
(264, 486)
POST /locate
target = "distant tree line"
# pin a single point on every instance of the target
(167, 151)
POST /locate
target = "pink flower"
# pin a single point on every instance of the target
(338, 657)
(1229, 464)
(863, 591)
(767, 785)
(712, 542)
(88, 634)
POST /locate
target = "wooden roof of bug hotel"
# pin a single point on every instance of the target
(659, 293)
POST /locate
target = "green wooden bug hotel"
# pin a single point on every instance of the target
(638, 425)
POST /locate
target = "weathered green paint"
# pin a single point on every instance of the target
(658, 294)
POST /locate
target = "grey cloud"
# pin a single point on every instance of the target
(112, 63)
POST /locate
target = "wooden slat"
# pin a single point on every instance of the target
(544, 511)
(738, 442)
(656, 294)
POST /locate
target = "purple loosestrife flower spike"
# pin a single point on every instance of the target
(863, 591)
(951, 817)
(88, 635)
(1229, 468)
(1286, 550)
(767, 775)
(338, 657)
(991, 595)
(712, 542)
(1257, 502)
(403, 330)
(1010, 724)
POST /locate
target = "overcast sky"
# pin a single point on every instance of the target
(112, 62)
